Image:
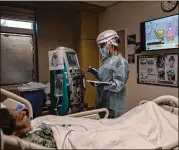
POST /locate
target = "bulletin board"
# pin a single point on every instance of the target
(159, 70)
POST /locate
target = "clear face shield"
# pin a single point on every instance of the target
(103, 47)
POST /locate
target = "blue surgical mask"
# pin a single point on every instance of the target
(104, 52)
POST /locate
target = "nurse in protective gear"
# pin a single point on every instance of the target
(114, 69)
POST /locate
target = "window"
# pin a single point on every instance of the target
(18, 56)
(16, 24)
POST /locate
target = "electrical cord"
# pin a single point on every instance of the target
(57, 104)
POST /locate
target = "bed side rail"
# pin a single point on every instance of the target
(167, 102)
(92, 114)
(11, 103)
(163, 99)
(19, 99)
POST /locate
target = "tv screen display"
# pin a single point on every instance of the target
(161, 33)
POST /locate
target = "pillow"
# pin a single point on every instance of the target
(2, 105)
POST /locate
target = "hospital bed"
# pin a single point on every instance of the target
(167, 102)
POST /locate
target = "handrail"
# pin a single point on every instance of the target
(19, 99)
(166, 98)
(162, 99)
(85, 113)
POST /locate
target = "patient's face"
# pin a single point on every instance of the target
(22, 122)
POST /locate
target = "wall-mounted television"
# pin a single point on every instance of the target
(160, 34)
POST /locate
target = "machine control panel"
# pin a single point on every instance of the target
(77, 88)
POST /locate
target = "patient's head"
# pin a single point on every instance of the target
(14, 122)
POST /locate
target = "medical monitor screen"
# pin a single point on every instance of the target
(72, 61)
(161, 33)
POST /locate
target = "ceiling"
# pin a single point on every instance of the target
(60, 5)
(70, 6)
(101, 3)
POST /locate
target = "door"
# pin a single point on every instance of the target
(122, 43)
(90, 55)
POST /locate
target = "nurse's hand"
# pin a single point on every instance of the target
(93, 71)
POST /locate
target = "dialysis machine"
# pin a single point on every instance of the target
(67, 82)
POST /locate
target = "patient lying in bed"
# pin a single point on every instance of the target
(145, 127)
(17, 123)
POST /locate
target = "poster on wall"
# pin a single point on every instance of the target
(55, 60)
(131, 59)
(158, 69)
(131, 39)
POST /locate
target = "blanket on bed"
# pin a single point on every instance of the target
(145, 127)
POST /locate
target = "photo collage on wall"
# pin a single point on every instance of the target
(158, 69)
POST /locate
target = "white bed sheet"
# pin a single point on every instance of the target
(145, 127)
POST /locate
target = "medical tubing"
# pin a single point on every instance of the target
(69, 125)
(66, 137)
(57, 103)
(80, 126)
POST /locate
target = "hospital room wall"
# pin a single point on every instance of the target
(129, 15)
(54, 30)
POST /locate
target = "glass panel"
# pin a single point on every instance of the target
(16, 58)
(16, 24)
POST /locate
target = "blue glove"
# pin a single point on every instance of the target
(93, 71)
